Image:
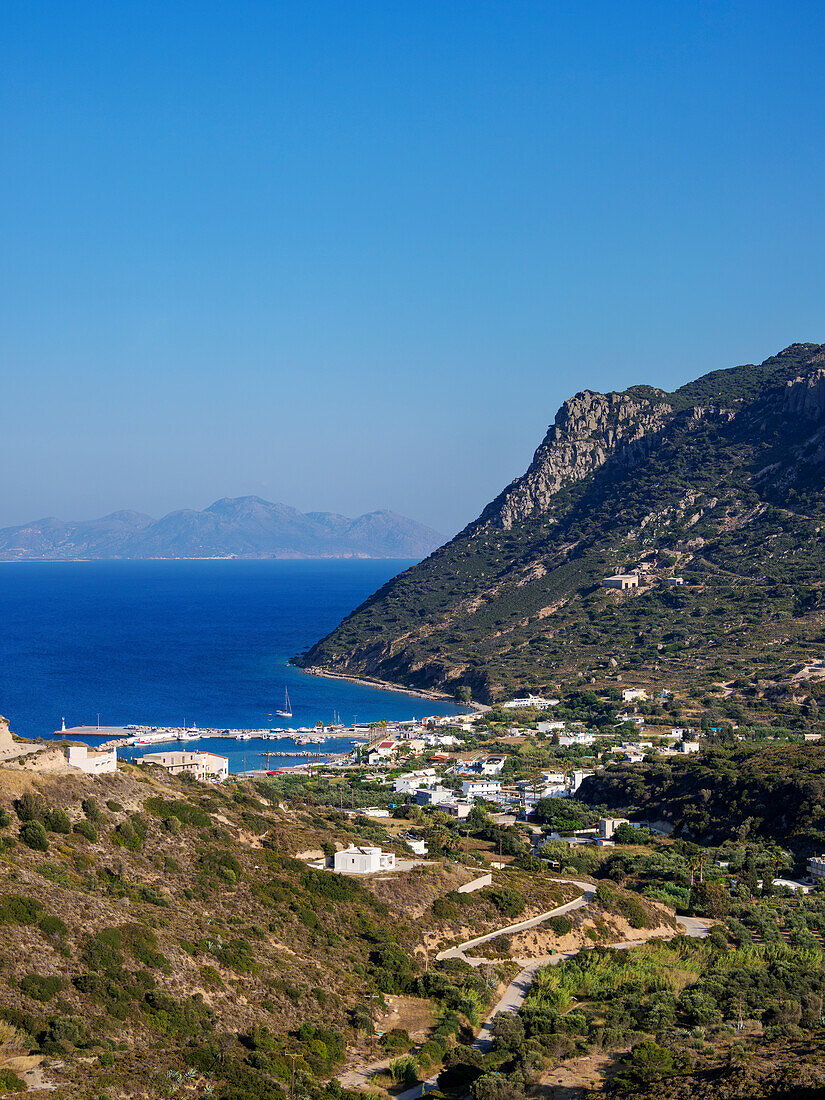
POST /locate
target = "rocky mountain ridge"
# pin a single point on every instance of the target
(243, 527)
(719, 483)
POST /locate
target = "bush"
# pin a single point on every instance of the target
(10, 1082)
(41, 987)
(444, 909)
(185, 812)
(396, 1041)
(57, 821)
(51, 925)
(509, 902)
(561, 925)
(16, 909)
(33, 834)
(114, 806)
(91, 809)
(404, 1072)
(130, 833)
(86, 829)
(29, 806)
(5, 818)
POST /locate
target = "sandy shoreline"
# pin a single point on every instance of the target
(386, 685)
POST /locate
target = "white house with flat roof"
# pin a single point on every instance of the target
(537, 702)
(481, 788)
(92, 763)
(203, 765)
(621, 581)
(363, 860)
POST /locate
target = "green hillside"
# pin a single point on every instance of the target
(720, 483)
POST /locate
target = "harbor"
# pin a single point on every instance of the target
(249, 752)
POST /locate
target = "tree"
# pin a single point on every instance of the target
(647, 1062)
(708, 899)
(508, 1032)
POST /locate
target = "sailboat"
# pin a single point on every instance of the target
(287, 711)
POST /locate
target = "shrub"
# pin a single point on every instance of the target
(396, 1041)
(404, 1072)
(443, 909)
(41, 987)
(509, 902)
(57, 821)
(33, 834)
(185, 812)
(16, 909)
(29, 806)
(86, 829)
(51, 925)
(5, 818)
(211, 979)
(91, 809)
(130, 833)
(10, 1082)
(114, 806)
(561, 925)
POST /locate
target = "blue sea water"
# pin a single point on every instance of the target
(163, 642)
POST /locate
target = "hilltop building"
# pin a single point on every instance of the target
(363, 860)
(621, 581)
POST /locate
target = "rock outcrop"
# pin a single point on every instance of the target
(588, 429)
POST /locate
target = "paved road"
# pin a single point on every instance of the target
(516, 992)
(588, 892)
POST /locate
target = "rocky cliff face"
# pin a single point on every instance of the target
(588, 429)
(721, 482)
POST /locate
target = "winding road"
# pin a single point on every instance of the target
(516, 992)
(587, 895)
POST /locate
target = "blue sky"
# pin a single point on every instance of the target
(354, 255)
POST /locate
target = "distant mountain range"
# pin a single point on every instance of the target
(244, 527)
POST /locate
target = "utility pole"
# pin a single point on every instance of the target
(292, 1079)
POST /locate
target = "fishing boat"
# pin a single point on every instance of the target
(287, 711)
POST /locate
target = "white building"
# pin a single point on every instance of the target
(816, 868)
(687, 746)
(411, 781)
(480, 788)
(363, 861)
(92, 763)
(203, 765)
(492, 765)
(629, 694)
(621, 580)
(415, 844)
(568, 739)
(534, 701)
(674, 582)
(576, 779)
(454, 809)
(430, 796)
(549, 727)
(609, 825)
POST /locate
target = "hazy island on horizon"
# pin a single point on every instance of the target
(241, 527)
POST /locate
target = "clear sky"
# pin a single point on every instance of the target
(352, 255)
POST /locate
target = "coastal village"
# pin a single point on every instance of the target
(480, 829)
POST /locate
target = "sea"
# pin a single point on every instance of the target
(173, 643)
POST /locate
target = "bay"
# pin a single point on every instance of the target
(167, 642)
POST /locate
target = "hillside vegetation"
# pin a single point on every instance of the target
(761, 792)
(720, 483)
